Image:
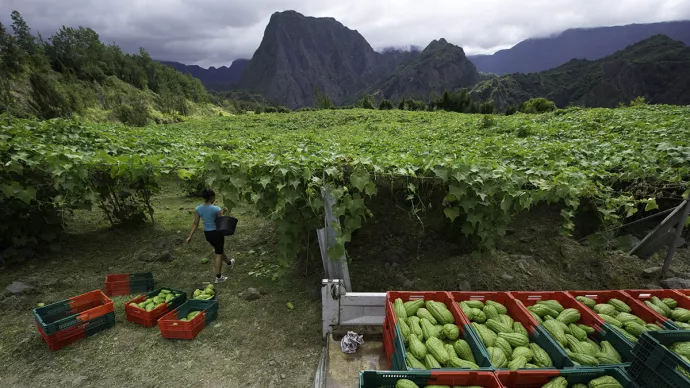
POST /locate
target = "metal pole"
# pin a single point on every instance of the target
(676, 240)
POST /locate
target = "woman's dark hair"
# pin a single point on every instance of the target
(208, 193)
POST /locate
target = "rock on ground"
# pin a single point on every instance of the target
(251, 294)
(19, 288)
(675, 283)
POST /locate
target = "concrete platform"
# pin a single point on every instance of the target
(343, 369)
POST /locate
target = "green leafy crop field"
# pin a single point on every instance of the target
(490, 167)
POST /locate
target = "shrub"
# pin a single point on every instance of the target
(538, 105)
(385, 105)
(136, 116)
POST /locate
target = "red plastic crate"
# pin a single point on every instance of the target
(514, 310)
(69, 336)
(519, 314)
(437, 296)
(173, 328)
(644, 295)
(116, 285)
(587, 316)
(70, 312)
(638, 308)
(387, 379)
(538, 378)
(150, 318)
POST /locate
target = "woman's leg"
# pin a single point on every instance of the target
(219, 264)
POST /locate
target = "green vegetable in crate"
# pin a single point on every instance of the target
(451, 331)
(413, 362)
(440, 311)
(660, 304)
(556, 331)
(552, 304)
(579, 386)
(610, 352)
(502, 344)
(475, 304)
(405, 383)
(625, 318)
(519, 328)
(558, 382)
(671, 303)
(594, 345)
(620, 305)
(487, 336)
(586, 329)
(681, 348)
(583, 359)
(522, 351)
(436, 348)
(499, 307)
(399, 309)
(498, 357)
(424, 313)
(682, 325)
(205, 294)
(657, 309)
(540, 357)
(428, 330)
(193, 314)
(543, 310)
(415, 328)
(634, 328)
(537, 317)
(515, 339)
(680, 314)
(404, 330)
(577, 332)
(477, 316)
(516, 363)
(605, 308)
(439, 331)
(506, 319)
(586, 301)
(498, 326)
(412, 306)
(625, 334)
(490, 312)
(455, 362)
(463, 350)
(431, 363)
(416, 347)
(605, 382)
(611, 320)
(568, 316)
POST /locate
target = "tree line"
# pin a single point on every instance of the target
(459, 101)
(73, 70)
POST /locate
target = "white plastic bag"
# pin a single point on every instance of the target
(351, 342)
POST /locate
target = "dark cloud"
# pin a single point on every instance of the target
(215, 32)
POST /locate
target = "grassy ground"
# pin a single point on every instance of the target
(252, 344)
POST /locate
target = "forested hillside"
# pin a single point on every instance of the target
(72, 73)
(657, 69)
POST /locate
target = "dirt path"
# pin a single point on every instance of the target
(257, 343)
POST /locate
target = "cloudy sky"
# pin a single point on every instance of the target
(215, 32)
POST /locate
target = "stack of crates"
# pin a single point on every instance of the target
(127, 284)
(65, 322)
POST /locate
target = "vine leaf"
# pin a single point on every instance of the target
(441, 173)
(360, 179)
(458, 191)
(452, 212)
(651, 205)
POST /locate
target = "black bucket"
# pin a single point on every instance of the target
(226, 225)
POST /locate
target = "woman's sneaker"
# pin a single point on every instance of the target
(221, 279)
(231, 263)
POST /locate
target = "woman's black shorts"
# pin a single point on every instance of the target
(217, 241)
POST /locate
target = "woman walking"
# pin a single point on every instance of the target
(208, 212)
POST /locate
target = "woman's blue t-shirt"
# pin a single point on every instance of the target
(208, 214)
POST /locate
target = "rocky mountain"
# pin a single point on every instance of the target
(299, 53)
(441, 66)
(221, 78)
(657, 68)
(534, 55)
